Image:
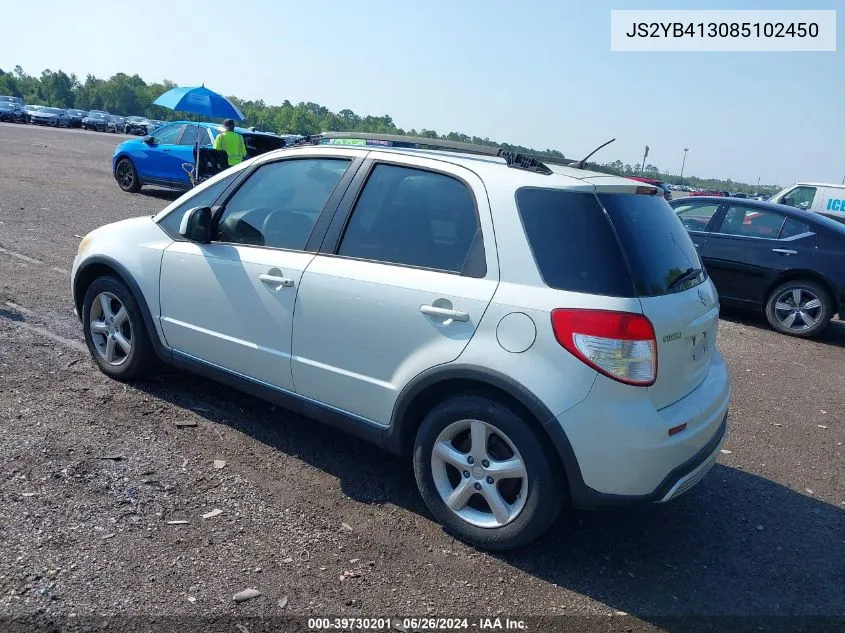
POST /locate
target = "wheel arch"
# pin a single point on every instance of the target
(98, 266)
(805, 275)
(438, 383)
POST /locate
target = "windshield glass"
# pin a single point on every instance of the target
(51, 110)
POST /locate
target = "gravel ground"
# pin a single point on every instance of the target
(104, 486)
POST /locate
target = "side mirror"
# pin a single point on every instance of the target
(149, 140)
(196, 225)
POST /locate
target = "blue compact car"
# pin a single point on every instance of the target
(157, 159)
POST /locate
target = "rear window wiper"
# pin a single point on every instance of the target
(687, 275)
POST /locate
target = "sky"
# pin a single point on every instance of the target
(529, 72)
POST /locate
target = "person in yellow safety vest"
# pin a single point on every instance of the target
(231, 142)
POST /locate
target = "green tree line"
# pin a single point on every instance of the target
(130, 95)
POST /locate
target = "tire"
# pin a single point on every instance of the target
(118, 364)
(127, 176)
(813, 320)
(528, 516)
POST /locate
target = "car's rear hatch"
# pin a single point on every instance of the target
(685, 314)
(623, 245)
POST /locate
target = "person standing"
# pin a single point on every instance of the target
(231, 142)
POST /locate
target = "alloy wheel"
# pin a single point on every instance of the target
(798, 309)
(124, 174)
(111, 329)
(479, 473)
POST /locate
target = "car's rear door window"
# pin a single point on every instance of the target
(416, 218)
(750, 222)
(573, 242)
(657, 247)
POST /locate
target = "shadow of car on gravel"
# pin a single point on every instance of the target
(736, 544)
(168, 195)
(834, 334)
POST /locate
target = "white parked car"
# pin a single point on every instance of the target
(814, 196)
(531, 335)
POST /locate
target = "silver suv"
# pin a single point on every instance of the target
(535, 336)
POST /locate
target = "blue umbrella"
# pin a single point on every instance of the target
(200, 100)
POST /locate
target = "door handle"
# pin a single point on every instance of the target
(283, 282)
(784, 251)
(455, 315)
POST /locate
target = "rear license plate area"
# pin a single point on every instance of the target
(698, 351)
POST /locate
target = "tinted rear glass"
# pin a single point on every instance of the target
(656, 244)
(573, 242)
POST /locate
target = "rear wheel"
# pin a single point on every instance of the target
(127, 176)
(484, 473)
(799, 308)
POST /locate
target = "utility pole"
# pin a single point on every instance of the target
(686, 149)
(642, 167)
(758, 183)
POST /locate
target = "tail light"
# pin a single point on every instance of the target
(620, 345)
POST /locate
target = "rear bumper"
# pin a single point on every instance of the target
(617, 450)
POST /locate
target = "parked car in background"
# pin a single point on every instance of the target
(55, 117)
(157, 158)
(29, 109)
(154, 125)
(116, 124)
(96, 120)
(820, 197)
(76, 117)
(706, 192)
(530, 336)
(12, 112)
(783, 261)
(138, 125)
(738, 194)
(667, 193)
(9, 99)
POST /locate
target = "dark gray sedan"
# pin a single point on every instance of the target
(54, 117)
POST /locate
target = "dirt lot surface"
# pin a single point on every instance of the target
(102, 492)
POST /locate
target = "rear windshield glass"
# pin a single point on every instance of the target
(573, 242)
(657, 246)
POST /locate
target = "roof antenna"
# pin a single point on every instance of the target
(580, 164)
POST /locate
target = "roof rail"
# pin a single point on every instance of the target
(516, 160)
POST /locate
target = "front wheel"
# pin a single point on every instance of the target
(127, 176)
(485, 474)
(114, 330)
(799, 308)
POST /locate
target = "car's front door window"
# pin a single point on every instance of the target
(194, 135)
(696, 216)
(800, 197)
(168, 135)
(280, 203)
